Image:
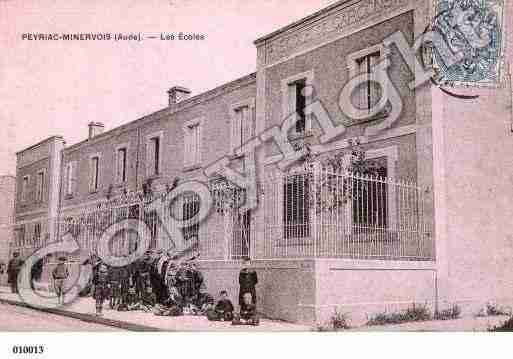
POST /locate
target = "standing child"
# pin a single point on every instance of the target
(247, 281)
(101, 287)
(13, 268)
(59, 275)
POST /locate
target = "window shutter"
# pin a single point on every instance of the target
(187, 146)
(247, 124)
(66, 179)
(94, 170)
(236, 128)
(73, 177)
(91, 174)
(198, 144)
(119, 170)
(150, 157)
(292, 99)
(374, 87)
(362, 92)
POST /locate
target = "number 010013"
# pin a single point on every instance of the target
(28, 349)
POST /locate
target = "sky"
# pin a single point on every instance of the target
(57, 87)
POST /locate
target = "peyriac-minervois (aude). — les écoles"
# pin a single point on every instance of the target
(181, 36)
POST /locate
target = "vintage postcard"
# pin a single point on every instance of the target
(270, 166)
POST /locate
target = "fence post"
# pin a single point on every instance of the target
(228, 230)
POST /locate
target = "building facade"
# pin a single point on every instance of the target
(321, 238)
(7, 191)
(38, 173)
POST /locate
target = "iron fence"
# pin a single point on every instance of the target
(327, 213)
(314, 213)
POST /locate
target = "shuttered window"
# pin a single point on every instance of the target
(70, 178)
(192, 139)
(242, 127)
(369, 92)
(40, 186)
(297, 104)
(94, 174)
(296, 206)
(121, 157)
(24, 188)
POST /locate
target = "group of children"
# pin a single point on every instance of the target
(224, 310)
(182, 294)
(165, 287)
(157, 282)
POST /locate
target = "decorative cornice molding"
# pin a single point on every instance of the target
(325, 25)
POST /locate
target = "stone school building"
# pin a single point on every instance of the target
(423, 216)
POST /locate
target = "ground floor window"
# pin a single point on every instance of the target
(370, 196)
(241, 240)
(190, 208)
(296, 206)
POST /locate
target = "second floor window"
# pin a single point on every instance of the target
(94, 173)
(192, 153)
(70, 178)
(368, 94)
(24, 189)
(121, 165)
(40, 186)
(154, 147)
(242, 127)
(37, 232)
(297, 104)
(20, 235)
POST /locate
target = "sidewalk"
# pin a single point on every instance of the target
(83, 309)
(466, 324)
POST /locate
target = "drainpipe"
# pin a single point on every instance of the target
(59, 202)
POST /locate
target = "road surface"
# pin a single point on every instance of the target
(15, 318)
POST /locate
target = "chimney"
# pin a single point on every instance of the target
(95, 128)
(177, 94)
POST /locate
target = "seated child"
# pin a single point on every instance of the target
(248, 314)
(223, 309)
(130, 302)
(204, 302)
(147, 302)
(172, 307)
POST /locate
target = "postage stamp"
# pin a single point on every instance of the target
(474, 29)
